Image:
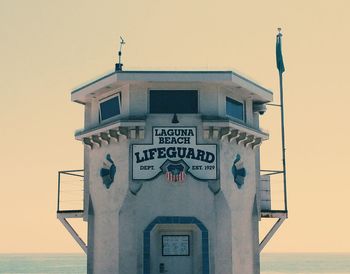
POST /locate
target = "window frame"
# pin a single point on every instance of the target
(243, 106)
(170, 89)
(109, 97)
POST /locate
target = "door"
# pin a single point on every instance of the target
(174, 252)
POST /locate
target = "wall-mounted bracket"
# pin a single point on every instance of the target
(63, 219)
(249, 140)
(87, 141)
(114, 135)
(257, 142)
(271, 232)
(225, 131)
(96, 140)
(105, 137)
(234, 134)
(241, 138)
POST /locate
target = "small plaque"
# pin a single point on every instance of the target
(176, 245)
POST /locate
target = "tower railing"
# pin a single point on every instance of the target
(70, 194)
(272, 194)
(70, 201)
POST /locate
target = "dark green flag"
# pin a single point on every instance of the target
(279, 58)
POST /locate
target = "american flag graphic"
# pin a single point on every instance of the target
(175, 173)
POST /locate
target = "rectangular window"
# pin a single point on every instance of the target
(110, 106)
(173, 101)
(234, 109)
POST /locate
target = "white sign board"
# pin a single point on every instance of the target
(175, 245)
(174, 147)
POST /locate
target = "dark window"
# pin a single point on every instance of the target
(110, 107)
(234, 108)
(173, 101)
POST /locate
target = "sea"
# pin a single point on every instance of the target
(276, 263)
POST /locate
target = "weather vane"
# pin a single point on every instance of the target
(119, 65)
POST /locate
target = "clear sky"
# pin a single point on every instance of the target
(47, 48)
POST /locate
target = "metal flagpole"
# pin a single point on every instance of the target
(283, 144)
(281, 69)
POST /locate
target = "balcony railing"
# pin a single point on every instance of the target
(70, 191)
(272, 194)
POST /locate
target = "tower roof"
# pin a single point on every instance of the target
(117, 79)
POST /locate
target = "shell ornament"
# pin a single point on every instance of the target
(108, 171)
(238, 171)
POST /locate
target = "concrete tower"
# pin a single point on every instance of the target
(172, 179)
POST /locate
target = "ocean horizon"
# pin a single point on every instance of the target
(271, 263)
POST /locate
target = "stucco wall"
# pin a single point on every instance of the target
(120, 217)
(117, 218)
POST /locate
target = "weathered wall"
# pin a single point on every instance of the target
(117, 217)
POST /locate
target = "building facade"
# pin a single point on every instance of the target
(172, 178)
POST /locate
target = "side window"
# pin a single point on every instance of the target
(110, 106)
(173, 101)
(235, 109)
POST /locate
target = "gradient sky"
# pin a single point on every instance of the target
(47, 48)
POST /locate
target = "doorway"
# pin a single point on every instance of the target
(173, 251)
(174, 245)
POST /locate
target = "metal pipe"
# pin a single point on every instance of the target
(72, 170)
(283, 143)
(58, 191)
(72, 174)
(271, 170)
(269, 235)
(273, 173)
(274, 105)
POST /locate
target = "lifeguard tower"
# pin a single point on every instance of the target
(172, 181)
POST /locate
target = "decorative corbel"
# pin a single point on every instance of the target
(88, 143)
(225, 131)
(257, 142)
(105, 137)
(249, 140)
(215, 133)
(123, 131)
(114, 134)
(206, 133)
(242, 136)
(97, 140)
(132, 133)
(233, 135)
(140, 133)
